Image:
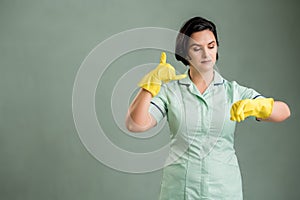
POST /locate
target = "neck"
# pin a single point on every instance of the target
(201, 79)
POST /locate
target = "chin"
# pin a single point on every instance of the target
(205, 68)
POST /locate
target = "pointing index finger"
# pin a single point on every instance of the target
(163, 58)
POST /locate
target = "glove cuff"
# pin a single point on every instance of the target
(152, 88)
(267, 108)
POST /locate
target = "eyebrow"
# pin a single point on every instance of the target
(195, 44)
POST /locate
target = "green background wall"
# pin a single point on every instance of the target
(42, 45)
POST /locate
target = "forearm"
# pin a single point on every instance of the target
(138, 118)
(280, 112)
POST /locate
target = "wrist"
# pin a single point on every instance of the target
(153, 89)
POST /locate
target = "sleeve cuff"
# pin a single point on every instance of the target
(156, 112)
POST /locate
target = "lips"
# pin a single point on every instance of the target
(205, 61)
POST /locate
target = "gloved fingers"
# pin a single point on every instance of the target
(243, 110)
(248, 113)
(237, 119)
(237, 111)
(166, 73)
(241, 107)
(153, 82)
(178, 77)
(233, 115)
(240, 117)
(163, 58)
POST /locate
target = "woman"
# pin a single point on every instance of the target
(202, 109)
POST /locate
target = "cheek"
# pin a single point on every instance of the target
(191, 53)
(213, 53)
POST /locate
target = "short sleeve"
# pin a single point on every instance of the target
(158, 105)
(245, 92)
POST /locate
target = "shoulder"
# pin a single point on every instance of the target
(171, 85)
(171, 90)
(241, 91)
(233, 85)
(220, 80)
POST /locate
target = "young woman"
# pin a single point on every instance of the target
(202, 109)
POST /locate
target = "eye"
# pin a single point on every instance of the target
(211, 47)
(196, 49)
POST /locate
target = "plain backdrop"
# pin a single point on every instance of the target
(42, 45)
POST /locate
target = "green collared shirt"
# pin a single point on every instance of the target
(202, 163)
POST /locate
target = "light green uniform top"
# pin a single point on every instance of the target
(202, 163)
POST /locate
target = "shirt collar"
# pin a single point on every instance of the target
(218, 79)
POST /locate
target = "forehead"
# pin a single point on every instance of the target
(202, 37)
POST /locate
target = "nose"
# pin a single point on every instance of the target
(205, 53)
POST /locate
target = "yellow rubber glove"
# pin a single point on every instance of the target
(163, 73)
(259, 108)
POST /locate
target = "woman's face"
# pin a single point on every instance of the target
(202, 50)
